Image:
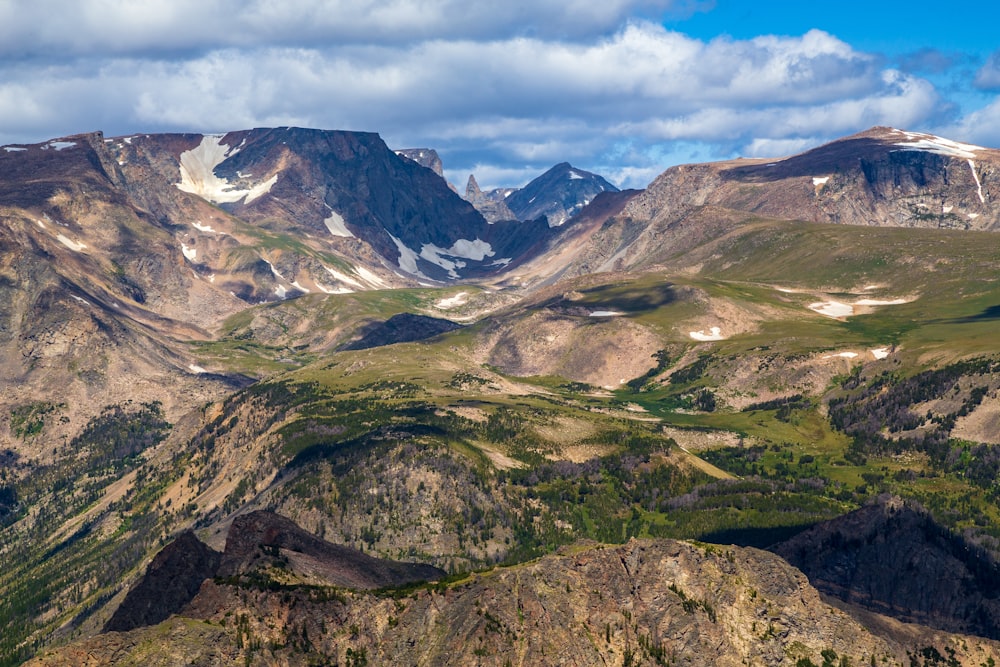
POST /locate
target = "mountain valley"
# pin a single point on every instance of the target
(594, 422)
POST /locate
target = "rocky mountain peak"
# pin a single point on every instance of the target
(558, 194)
(425, 157)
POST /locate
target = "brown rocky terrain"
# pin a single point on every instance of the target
(645, 602)
(881, 177)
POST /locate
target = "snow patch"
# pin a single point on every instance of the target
(275, 271)
(335, 223)
(881, 302)
(203, 228)
(59, 145)
(83, 301)
(880, 352)
(947, 209)
(715, 333)
(197, 370)
(820, 180)
(573, 176)
(280, 291)
(605, 313)
(299, 287)
(198, 174)
(14, 149)
(332, 290)
(342, 277)
(40, 224)
(369, 277)
(973, 216)
(919, 141)
(69, 243)
(476, 250)
(407, 258)
(261, 189)
(832, 308)
(979, 185)
(190, 253)
(841, 355)
(452, 301)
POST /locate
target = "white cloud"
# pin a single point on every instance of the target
(505, 93)
(988, 76)
(96, 27)
(980, 127)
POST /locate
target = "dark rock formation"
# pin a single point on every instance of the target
(170, 582)
(891, 557)
(262, 539)
(402, 328)
(558, 194)
(491, 204)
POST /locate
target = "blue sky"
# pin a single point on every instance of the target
(625, 88)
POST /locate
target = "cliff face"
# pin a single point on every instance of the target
(646, 602)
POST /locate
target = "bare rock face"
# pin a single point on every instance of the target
(425, 157)
(170, 583)
(892, 558)
(492, 204)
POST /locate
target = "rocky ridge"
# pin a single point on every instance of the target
(645, 602)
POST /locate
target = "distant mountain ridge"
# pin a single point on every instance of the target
(880, 177)
(557, 195)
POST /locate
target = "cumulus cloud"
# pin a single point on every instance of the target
(122, 27)
(988, 76)
(506, 92)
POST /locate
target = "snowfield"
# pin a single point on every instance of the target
(70, 243)
(832, 308)
(198, 174)
(714, 333)
(335, 223)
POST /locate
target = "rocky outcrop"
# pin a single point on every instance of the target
(425, 157)
(645, 602)
(256, 542)
(891, 557)
(492, 204)
(170, 583)
(263, 539)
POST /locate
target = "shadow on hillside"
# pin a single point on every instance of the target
(991, 313)
(631, 300)
(761, 538)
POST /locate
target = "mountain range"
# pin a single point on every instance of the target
(406, 425)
